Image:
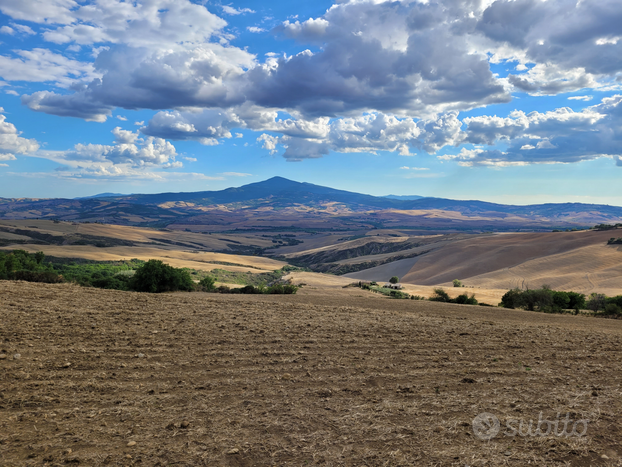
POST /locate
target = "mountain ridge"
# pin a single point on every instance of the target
(292, 200)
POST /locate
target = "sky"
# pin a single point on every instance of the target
(515, 102)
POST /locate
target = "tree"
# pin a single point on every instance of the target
(440, 296)
(457, 283)
(511, 299)
(394, 280)
(577, 300)
(596, 302)
(155, 277)
(208, 283)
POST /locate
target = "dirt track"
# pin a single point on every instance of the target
(320, 378)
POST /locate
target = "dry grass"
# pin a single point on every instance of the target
(113, 378)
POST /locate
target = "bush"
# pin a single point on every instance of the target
(397, 294)
(596, 302)
(464, 299)
(612, 309)
(47, 277)
(440, 296)
(511, 299)
(536, 299)
(417, 297)
(561, 300)
(577, 300)
(394, 280)
(156, 277)
(457, 283)
(208, 284)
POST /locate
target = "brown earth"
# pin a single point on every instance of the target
(326, 377)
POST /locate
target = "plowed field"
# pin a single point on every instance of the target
(92, 377)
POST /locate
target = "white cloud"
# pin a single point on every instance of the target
(190, 159)
(236, 174)
(40, 11)
(12, 92)
(43, 65)
(157, 24)
(269, 142)
(309, 29)
(581, 98)
(123, 119)
(255, 29)
(12, 143)
(23, 29)
(558, 136)
(229, 10)
(7, 30)
(124, 136)
(141, 123)
(130, 157)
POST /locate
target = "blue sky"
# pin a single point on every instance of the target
(518, 102)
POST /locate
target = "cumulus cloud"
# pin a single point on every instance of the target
(312, 138)
(571, 43)
(128, 157)
(12, 143)
(370, 75)
(42, 65)
(157, 24)
(40, 11)
(559, 136)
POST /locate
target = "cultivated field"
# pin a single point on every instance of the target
(578, 261)
(326, 377)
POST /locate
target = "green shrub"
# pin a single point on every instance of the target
(457, 283)
(511, 299)
(612, 309)
(394, 280)
(561, 300)
(47, 277)
(577, 300)
(208, 284)
(464, 299)
(156, 277)
(440, 296)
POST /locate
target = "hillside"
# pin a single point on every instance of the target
(578, 261)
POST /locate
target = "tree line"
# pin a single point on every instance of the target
(153, 276)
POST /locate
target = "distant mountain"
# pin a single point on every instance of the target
(279, 202)
(103, 195)
(404, 197)
(277, 190)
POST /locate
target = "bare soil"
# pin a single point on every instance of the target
(324, 377)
